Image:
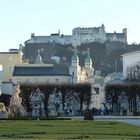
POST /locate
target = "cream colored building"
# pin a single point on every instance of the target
(8, 60)
(41, 73)
(36, 74)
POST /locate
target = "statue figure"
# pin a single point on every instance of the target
(123, 100)
(37, 103)
(54, 103)
(3, 111)
(16, 108)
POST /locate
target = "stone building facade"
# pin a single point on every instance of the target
(81, 36)
(8, 60)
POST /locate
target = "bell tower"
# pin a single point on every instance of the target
(74, 69)
(88, 61)
(89, 68)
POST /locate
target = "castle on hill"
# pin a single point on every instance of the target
(81, 36)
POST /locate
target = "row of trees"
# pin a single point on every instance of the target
(131, 90)
(80, 92)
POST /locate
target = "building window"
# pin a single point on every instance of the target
(69, 81)
(18, 81)
(47, 81)
(0, 66)
(27, 81)
(10, 58)
(72, 73)
(56, 81)
(36, 81)
(10, 70)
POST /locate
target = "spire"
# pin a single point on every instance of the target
(38, 59)
(88, 60)
(88, 51)
(75, 59)
(59, 31)
(103, 27)
(75, 56)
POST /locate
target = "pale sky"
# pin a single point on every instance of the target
(20, 18)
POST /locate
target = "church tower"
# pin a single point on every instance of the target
(75, 69)
(88, 68)
(75, 60)
(88, 61)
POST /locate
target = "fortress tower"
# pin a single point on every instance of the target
(125, 33)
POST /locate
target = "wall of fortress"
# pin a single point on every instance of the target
(81, 36)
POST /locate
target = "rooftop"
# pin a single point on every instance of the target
(131, 53)
(40, 70)
(46, 39)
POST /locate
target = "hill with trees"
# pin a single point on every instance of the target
(106, 57)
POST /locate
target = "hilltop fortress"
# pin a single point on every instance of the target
(81, 36)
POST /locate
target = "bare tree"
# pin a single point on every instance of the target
(131, 90)
(133, 72)
(82, 94)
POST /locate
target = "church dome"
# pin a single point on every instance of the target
(75, 57)
(88, 58)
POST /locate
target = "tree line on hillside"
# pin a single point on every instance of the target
(106, 57)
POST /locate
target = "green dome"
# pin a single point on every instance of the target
(88, 58)
(75, 57)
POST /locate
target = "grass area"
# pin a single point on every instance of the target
(66, 130)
